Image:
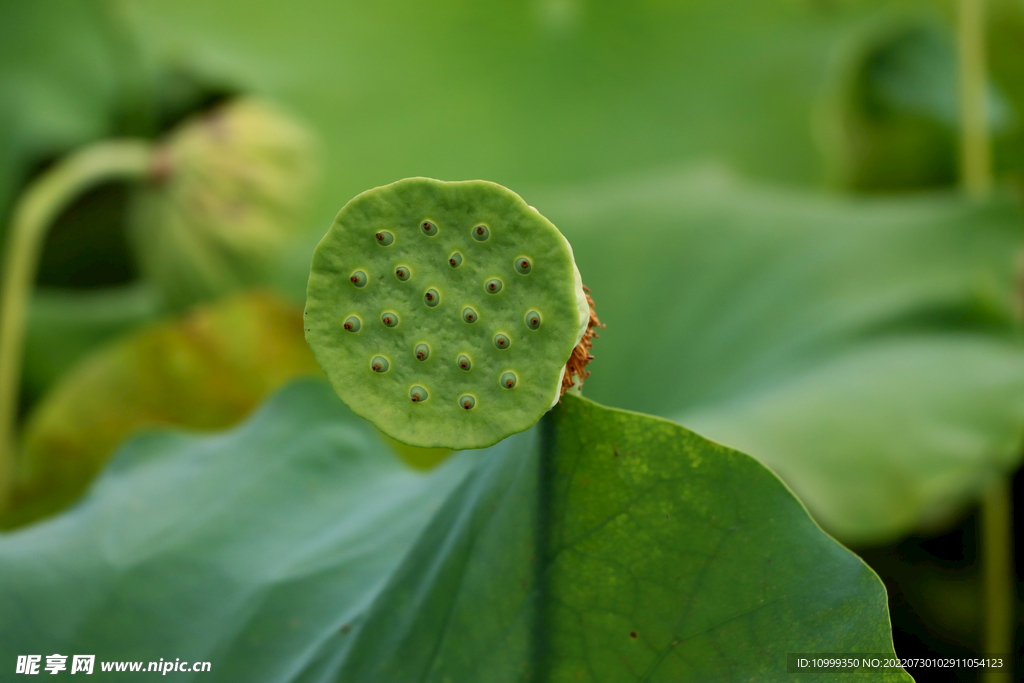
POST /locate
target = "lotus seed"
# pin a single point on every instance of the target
(533, 320)
(493, 286)
(422, 352)
(402, 273)
(418, 394)
(432, 298)
(481, 233)
(390, 319)
(464, 362)
(455, 260)
(501, 341)
(467, 402)
(469, 315)
(429, 228)
(508, 380)
(358, 278)
(384, 238)
(379, 364)
(352, 324)
(523, 265)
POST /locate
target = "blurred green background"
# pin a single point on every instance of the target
(762, 196)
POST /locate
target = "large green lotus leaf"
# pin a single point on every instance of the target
(600, 545)
(866, 350)
(205, 370)
(255, 549)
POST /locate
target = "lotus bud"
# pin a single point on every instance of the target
(228, 190)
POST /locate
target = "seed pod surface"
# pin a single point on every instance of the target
(419, 401)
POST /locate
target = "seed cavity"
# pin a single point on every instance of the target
(422, 352)
(428, 228)
(523, 265)
(455, 260)
(469, 315)
(464, 362)
(379, 364)
(501, 341)
(533, 320)
(481, 233)
(384, 238)
(352, 324)
(492, 286)
(509, 380)
(431, 298)
(403, 273)
(418, 394)
(467, 402)
(358, 278)
(390, 319)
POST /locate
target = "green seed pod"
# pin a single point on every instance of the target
(379, 364)
(352, 324)
(389, 319)
(230, 191)
(508, 380)
(384, 238)
(403, 273)
(422, 352)
(533, 320)
(358, 278)
(523, 265)
(492, 286)
(481, 233)
(467, 402)
(455, 260)
(431, 221)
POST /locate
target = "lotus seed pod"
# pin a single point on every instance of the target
(453, 313)
(230, 189)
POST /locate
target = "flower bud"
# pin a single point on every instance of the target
(228, 190)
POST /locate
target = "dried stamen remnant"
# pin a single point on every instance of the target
(455, 260)
(523, 265)
(577, 365)
(352, 324)
(422, 352)
(469, 315)
(501, 341)
(467, 402)
(533, 320)
(390, 319)
(428, 228)
(384, 238)
(464, 362)
(509, 380)
(492, 286)
(379, 364)
(402, 273)
(481, 233)
(418, 394)
(431, 298)
(358, 278)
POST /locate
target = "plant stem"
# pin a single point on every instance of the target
(36, 209)
(975, 142)
(997, 567)
(997, 502)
